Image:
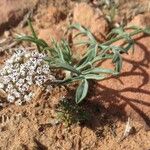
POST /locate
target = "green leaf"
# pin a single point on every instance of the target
(81, 91)
(66, 50)
(102, 57)
(90, 55)
(113, 13)
(116, 31)
(147, 30)
(33, 33)
(133, 28)
(98, 70)
(32, 39)
(32, 29)
(120, 32)
(118, 66)
(115, 57)
(68, 80)
(83, 31)
(61, 50)
(94, 76)
(129, 45)
(57, 63)
(80, 43)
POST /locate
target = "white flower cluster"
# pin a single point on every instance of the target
(23, 70)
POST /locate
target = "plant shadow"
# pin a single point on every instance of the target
(125, 95)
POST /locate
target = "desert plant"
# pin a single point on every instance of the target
(69, 112)
(59, 55)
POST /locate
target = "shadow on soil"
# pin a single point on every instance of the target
(114, 102)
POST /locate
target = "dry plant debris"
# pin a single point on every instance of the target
(128, 130)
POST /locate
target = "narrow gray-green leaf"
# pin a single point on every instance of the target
(95, 76)
(118, 66)
(98, 70)
(81, 91)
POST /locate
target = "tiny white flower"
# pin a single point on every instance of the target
(14, 79)
(32, 68)
(19, 52)
(31, 73)
(10, 61)
(16, 65)
(41, 55)
(28, 64)
(2, 73)
(31, 94)
(22, 66)
(12, 91)
(38, 82)
(39, 70)
(18, 85)
(10, 86)
(33, 60)
(1, 85)
(18, 102)
(6, 79)
(10, 98)
(46, 66)
(7, 90)
(27, 55)
(25, 87)
(34, 54)
(39, 61)
(29, 80)
(21, 81)
(9, 71)
(28, 97)
(21, 90)
(17, 94)
(22, 73)
(17, 59)
(45, 69)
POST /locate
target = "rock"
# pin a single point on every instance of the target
(141, 20)
(48, 34)
(12, 12)
(53, 15)
(90, 18)
(49, 16)
(51, 24)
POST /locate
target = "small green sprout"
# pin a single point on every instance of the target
(69, 112)
(60, 55)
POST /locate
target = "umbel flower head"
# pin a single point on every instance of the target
(20, 72)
